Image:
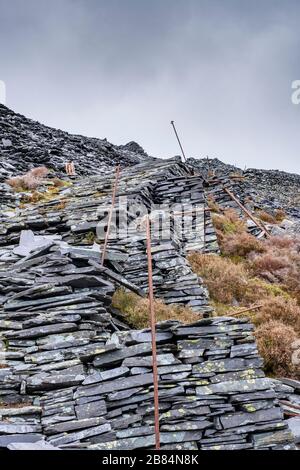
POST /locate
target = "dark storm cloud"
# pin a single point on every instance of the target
(122, 69)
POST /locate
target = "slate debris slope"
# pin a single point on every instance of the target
(263, 189)
(25, 143)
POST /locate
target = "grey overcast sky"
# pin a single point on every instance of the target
(123, 69)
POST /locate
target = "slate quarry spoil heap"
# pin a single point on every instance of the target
(259, 189)
(72, 374)
(166, 188)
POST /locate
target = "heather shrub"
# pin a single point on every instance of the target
(269, 263)
(225, 280)
(275, 344)
(213, 205)
(280, 215)
(39, 172)
(135, 310)
(280, 243)
(257, 290)
(241, 244)
(253, 273)
(283, 309)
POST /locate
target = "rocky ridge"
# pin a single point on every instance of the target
(25, 143)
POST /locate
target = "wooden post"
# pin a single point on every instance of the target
(118, 170)
(153, 335)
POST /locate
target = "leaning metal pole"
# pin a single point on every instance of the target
(153, 334)
(118, 170)
(177, 137)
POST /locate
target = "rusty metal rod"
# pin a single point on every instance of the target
(118, 170)
(248, 213)
(177, 137)
(153, 334)
(248, 309)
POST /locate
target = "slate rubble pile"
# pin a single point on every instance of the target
(276, 189)
(25, 143)
(262, 189)
(242, 191)
(78, 213)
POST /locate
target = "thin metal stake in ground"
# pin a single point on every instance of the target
(153, 334)
(183, 154)
(118, 170)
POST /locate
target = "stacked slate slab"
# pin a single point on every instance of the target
(77, 213)
(259, 189)
(79, 387)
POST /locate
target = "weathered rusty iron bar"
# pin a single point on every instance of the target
(248, 309)
(248, 213)
(153, 334)
(177, 137)
(118, 170)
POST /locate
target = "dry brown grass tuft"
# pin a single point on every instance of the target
(135, 310)
(275, 343)
(39, 172)
(30, 181)
(280, 215)
(266, 217)
(33, 197)
(285, 310)
(58, 183)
